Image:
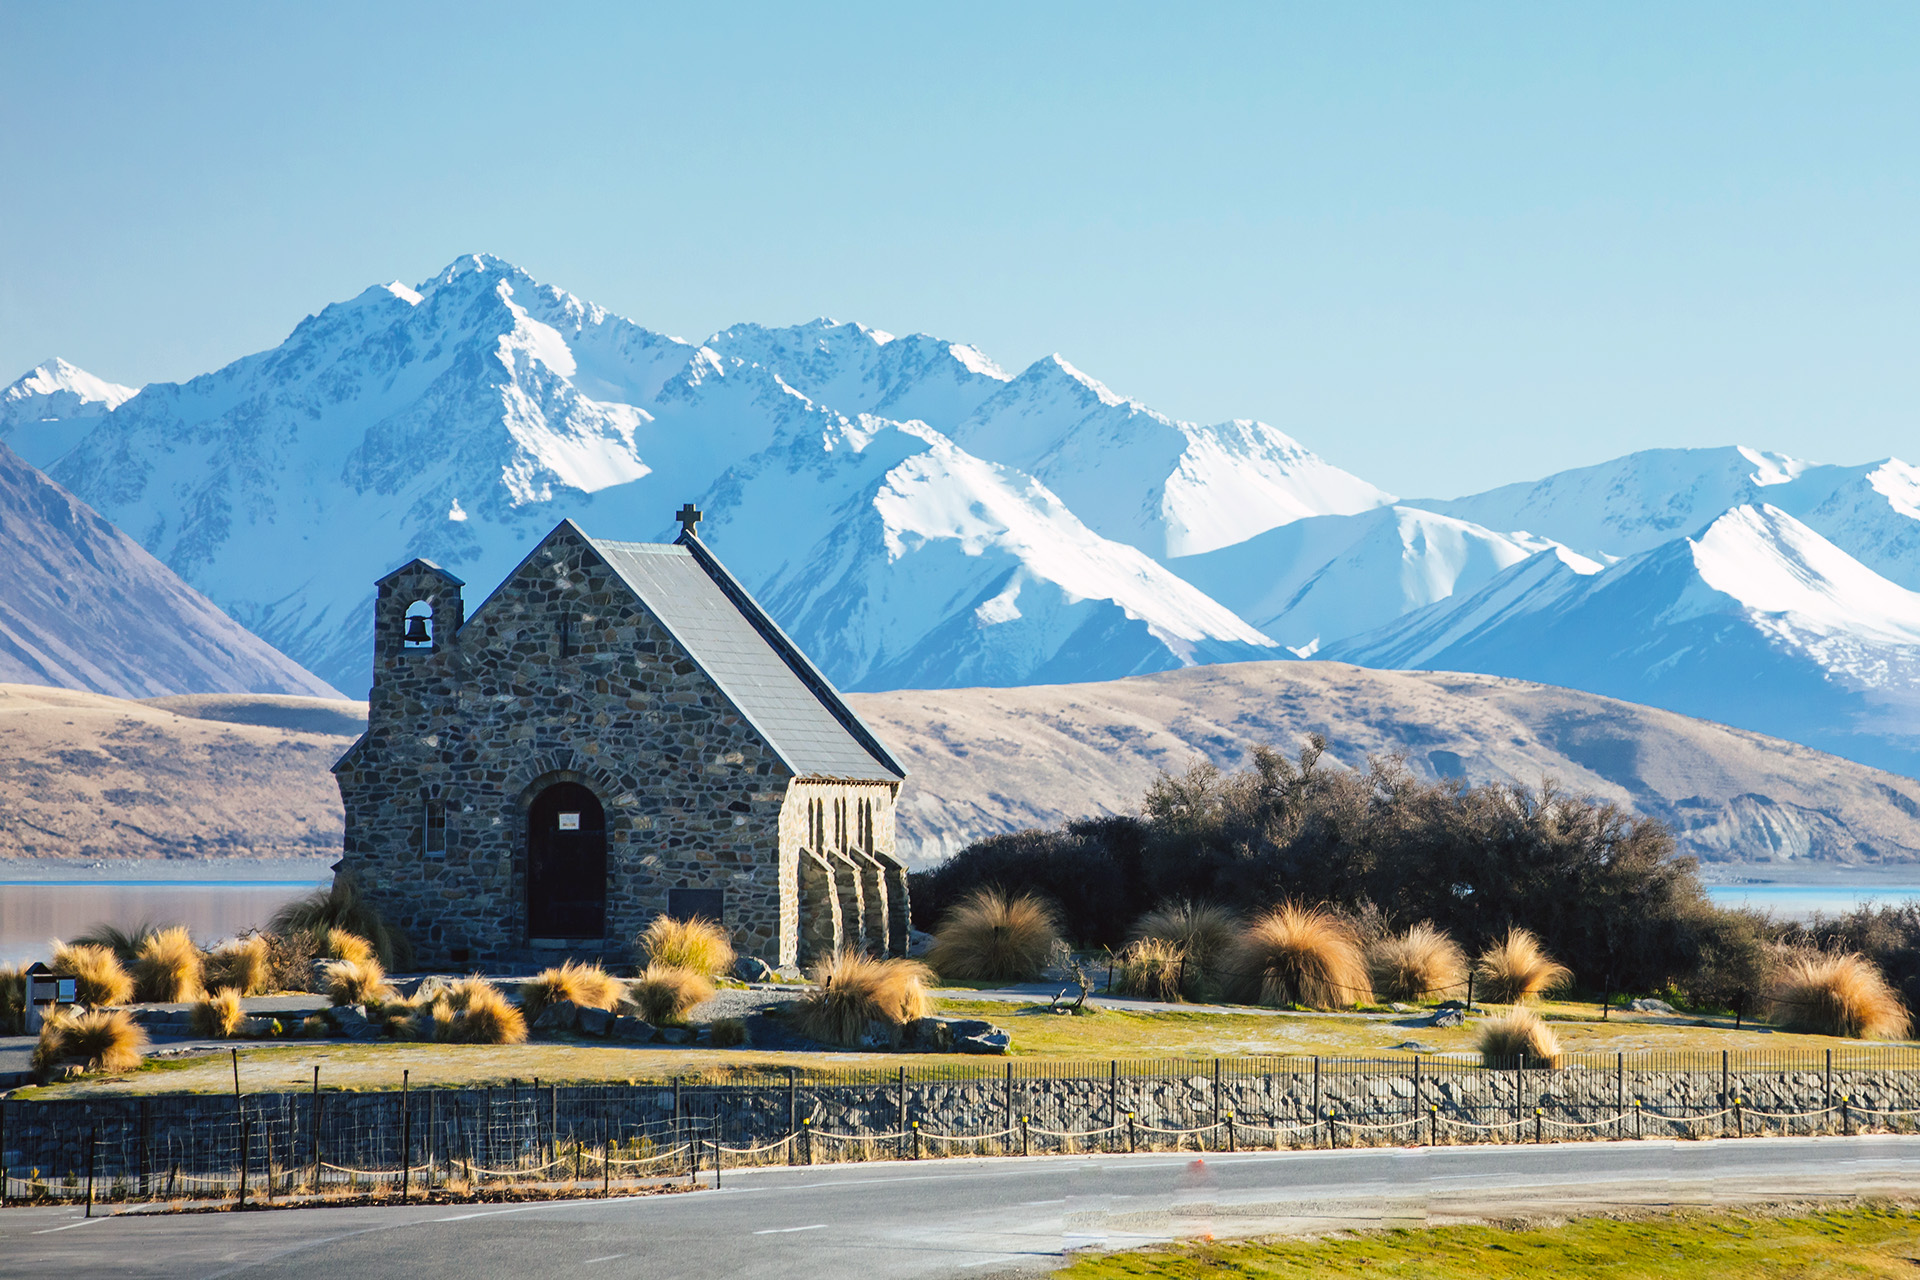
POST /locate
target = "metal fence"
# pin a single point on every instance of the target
(529, 1138)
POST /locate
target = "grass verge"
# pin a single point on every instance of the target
(1869, 1240)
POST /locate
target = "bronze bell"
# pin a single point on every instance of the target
(417, 630)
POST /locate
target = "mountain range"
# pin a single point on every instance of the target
(919, 517)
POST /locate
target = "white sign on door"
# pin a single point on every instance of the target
(569, 822)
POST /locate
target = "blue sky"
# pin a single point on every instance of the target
(1447, 246)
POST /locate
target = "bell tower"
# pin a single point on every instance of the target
(417, 609)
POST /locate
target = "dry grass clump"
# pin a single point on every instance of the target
(1517, 1037)
(97, 975)
(479, 1014)
(587, 985)
(99, 1040)
(664, 994)
(989, 937)
(1837, 994)
(356, 982)
(245, 964)
(123, 940)
(1419, 963)
(217, 1015)
(1150, 968)
(1204, 933)
(341, 907)
(166, 968)
(338, 944)
(1302, 955)
(851, 991)
(13, 1000)
(697, 945)
(1516, 969)
(729, 1033)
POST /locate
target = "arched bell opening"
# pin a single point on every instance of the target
(419, 626)
(566, 864)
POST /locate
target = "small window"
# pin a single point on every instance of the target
(566, 634)
(697, 904)
(433, 840)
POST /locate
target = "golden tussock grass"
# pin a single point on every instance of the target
(1836, 994)
(166, 968)
(587, 985)
(1302, 955)
(989, 937)
(98, 977)
(1517, 1036)
(851, 990)
(470, 1011)
(13, 1000)
(356, 982)
(697, 945)
(1417, 964)
(340, 906)
(1149, 968)
(1203, 932)
(98, 1039)
(245, 964)
(665, 994)
(338, 944)
(217, 1015)
(1516, 969)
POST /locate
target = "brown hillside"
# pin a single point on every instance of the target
(989, 760)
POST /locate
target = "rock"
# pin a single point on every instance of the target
(879, 1035)
(350, 1020)
(1650, 1006)
(675, 1035)
(1397, 1007)
(561, 1015)
(918, 943)
(752, 969)
(993, 1040)
(595, 1022)
(632, 1030)
(789, 973)
(1411, 1046)
(928, 1035)
(256, 1028)
(1447, 1018)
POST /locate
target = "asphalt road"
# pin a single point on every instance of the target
(953, 1217)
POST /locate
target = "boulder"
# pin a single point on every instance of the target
(1650, 1006)
(595, 1022)
(753, 969)
(561, 1015)
(1447, 1018)
(675, 1035)
(927, 1035)
(993, 1041)
(789, 973)
(350, 1020)
(632, 1030)
(918, 943)
(257, 1028)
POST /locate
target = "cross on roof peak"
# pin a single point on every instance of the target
(689, 518)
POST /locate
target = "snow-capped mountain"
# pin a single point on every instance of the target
(83, 606)
(1756, 621)
(461, 419)
(1324, 577)
(51, 407)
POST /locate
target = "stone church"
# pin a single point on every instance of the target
(619, 731)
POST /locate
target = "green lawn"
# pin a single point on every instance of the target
(1863, 1241)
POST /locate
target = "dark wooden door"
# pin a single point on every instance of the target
(566, 864)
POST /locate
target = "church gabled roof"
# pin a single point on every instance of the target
(763, 673)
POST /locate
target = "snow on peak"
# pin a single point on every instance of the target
(1774, 564)
(1773, 468)
(401, 292)
(52, 407)
(975, 360)
(56, 376)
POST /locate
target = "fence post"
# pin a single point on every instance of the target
(1216, 1094)
(433, 1124)
(1415, 1103)
(1316, 1101)
(1469, 989)
(900, 1143)
(793, 1110)
(406, 1138)
(1023, 1135)
(1007, 1128)
(1433, 1124)
(676, 1109)
(1606, 1000)
(246, 1134)
(1232, 1144)
(606, 1163)
(316, 1131)
(1113, 1099)
(1620, 1085)
(717, 1160)
(553, 1122)
(1726, 1092)
(1536, 1125)
(1133, 1133)
(916, 1139)
(146, 1152)
(1739, 1119)
(93, 1154)
(3, 1152)
(806, 1141)
(1846, 1118)
(1639, 1116)
(1829, 1091)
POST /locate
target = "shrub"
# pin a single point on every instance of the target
(1836, 994)
(729, 1033)
(245, 964)
(697, 945)
(1091, 871)
(13, 1000)
(1149, 968)
(470, 1011)
(990, 937)
(1203, 933)
(1734, 960)
(356, 982)
(341, 907)
(217, 1015)
(665, 994)
(1417, 964)
(166, 969)
(97, 976)
(852, 991)
(123, 941)
(98, 1039)
(290, 960)
(1302, 955)
(587, 985)
(1516, 969)
(1519, 1036)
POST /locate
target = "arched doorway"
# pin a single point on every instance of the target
(566, 864)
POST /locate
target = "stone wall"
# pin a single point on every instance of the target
(561, 676)
(1287, 1105)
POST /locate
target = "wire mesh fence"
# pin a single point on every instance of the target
(532, 1139)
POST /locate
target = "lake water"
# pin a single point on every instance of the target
(31, 913)
(1794, 901)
